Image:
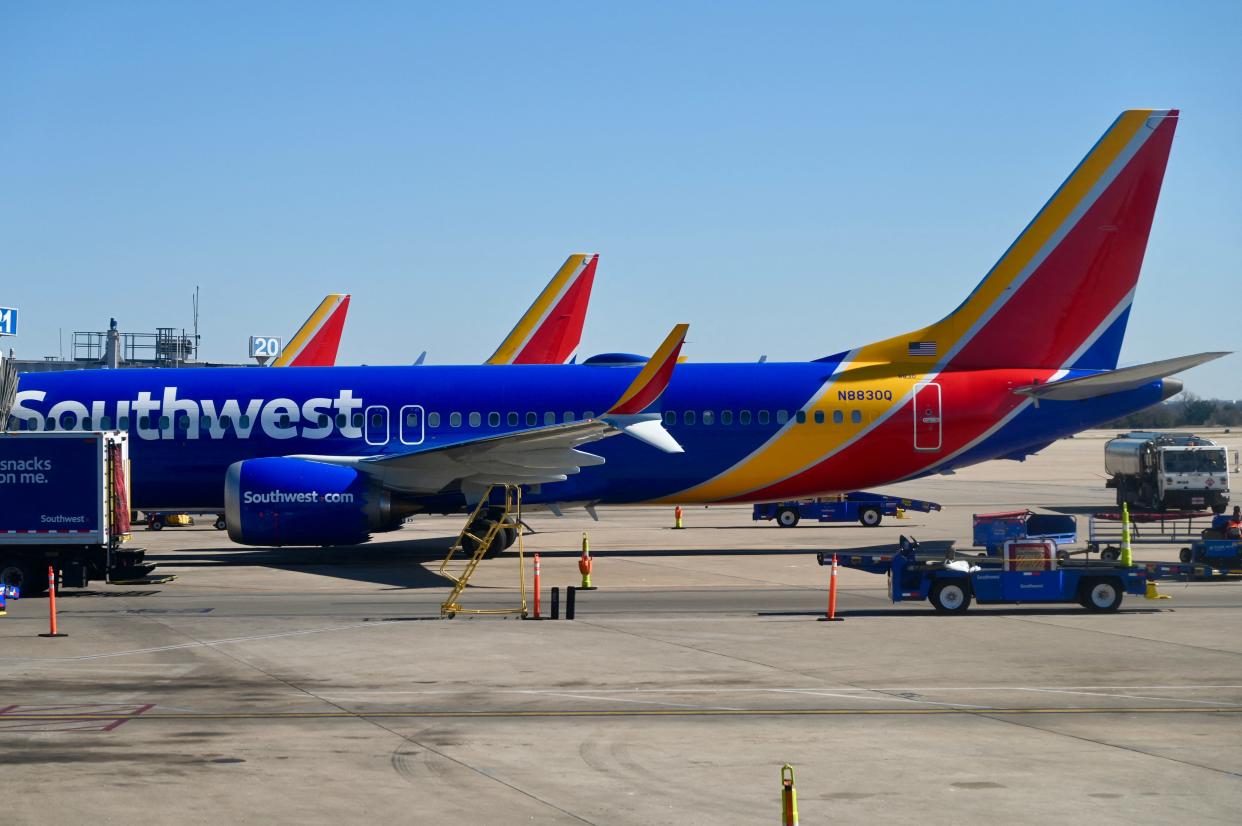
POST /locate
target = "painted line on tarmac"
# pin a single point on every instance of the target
(202, 644)
(642, 712)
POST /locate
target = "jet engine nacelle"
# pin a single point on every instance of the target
(286, 501)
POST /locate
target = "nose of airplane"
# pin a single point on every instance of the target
(1170, 388)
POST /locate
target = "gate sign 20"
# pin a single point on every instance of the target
(8, 321)
(267, 347)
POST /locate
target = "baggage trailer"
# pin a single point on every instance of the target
(66, 505)
(864, 507)
(950, 581)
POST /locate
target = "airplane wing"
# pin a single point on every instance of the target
(549, 332)
(534, 455)
(316, 342)
(1113, 381)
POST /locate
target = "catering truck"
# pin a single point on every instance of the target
(1167, 471)
(64, 505)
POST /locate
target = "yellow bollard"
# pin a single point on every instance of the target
(789, 797)
(677, 519)
(1127, 558)
(585, 564)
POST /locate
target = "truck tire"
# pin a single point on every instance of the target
(1101, 595)
(156, 524)
(788, 517)
(221, 523)
(870, 517)
(1186, 555)
(1110, 554)
(24, 575)
(950, 596)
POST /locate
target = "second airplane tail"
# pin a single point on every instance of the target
(1060, 295)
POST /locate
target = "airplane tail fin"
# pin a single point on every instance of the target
(1060, 295)
(549, 332)
(316, 342)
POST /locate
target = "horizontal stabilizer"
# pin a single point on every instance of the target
(1113, 381)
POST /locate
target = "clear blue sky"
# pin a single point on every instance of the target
(791, 178)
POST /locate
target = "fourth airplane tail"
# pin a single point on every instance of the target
(1060, 295)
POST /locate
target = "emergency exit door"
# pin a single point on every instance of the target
(927, 431)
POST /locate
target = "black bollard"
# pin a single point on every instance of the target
(569, 602)
(556, 603)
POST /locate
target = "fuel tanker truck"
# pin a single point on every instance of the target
(1167, 471)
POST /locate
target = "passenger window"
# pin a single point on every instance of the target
(183, 423)
(51, 424)
(376, 420)
(512, 419)
(163, 422)
(532, 419)
(476, 419)
(243, 421)
(323, 420)
(549, 418)
(801, 416)
(688, 416)
(670, 417)
(763, 417)
(411, 419)
(433, 419)
(454, 419)
(837, 417)
(68, 421)
(567, 416)
(341, 420)
(282, 420)
(743, 418)
(726, 417)
(819, 417)
(105, 423)
(588, 414)
(226, 421)
(86, 423)
(123, 423)
(493, 419)
(357, 420)
(709, 417)
(856, 416)
(781, 417)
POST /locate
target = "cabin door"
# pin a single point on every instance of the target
(927, 430)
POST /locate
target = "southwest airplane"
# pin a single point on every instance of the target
(324, 456)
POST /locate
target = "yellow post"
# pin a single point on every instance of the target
(1127, 559)
(585, 563)
(789, 797)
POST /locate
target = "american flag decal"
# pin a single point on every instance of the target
(921, 348)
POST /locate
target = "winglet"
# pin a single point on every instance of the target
(549, 332)
(316, 342)
(654, 378)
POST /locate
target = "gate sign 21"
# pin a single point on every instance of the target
(8, 321)
(264, 347)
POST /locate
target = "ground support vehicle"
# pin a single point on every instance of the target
(1159, 471)
(1215, 555)
(860, 506)
(951, 580)
(66, 505)
(993, 530)
(158, 520)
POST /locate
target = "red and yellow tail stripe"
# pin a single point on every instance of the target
(550, 331)
(316, 342)
(1073, 268)
(654, 377)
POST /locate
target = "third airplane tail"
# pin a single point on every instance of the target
(1060, 295)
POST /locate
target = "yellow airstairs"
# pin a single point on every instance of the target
(496, 521)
